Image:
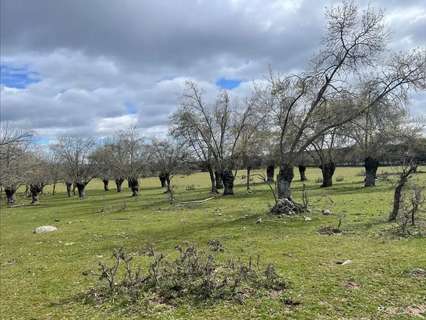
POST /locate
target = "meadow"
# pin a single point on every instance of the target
(41, 274)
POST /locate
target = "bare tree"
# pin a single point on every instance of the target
(74, 154)
(218, 127)
(168, 157)
(15, 162)
(408, 168)
(352, 46)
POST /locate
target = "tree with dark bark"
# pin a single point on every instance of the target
(353, 45)
(168, 157)
(15, 160)
(74, 153)
(218, 127)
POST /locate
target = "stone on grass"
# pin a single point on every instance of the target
(259, 220)
(307, 218)
(326, 212)
(45, 229)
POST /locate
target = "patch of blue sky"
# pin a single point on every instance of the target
(229, 84)
(131, 108)
(17, 77)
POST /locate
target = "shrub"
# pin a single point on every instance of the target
(194, 276)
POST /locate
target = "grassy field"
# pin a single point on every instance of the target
(41, 274)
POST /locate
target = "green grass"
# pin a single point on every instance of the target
(41, 273)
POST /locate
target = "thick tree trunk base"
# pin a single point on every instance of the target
(81, 190)
(118, 184)
(327, 170)
(10, 196)
(371, 165)
(228, 183)
(134, 186)
(106, 182)
(302, 172)
(218, 177)
(212, 181)
(270, 174)
(35, 190)
(69, 186)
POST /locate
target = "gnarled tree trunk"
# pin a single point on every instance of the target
(68, 185)
(81, 186)
(162, 180)
(212, 179)
(370, 165)
(270, 173)
(302, 172)
(106, 182)
(10, 195)
(218, 176)
(168, 184)
(119, 183)
(228, 182)
(35, 190)
(74, 186)
(134, 186)
(327, 170)
(284, 179)
(403, 178)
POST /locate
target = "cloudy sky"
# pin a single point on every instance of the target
(92, 67)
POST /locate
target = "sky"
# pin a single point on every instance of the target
(95, 67)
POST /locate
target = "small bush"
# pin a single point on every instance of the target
(194, 276)
(340, 178)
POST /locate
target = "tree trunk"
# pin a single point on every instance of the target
(162, 180)
(248, 178)
(168, 185)
(270, 173)
(68, 185)
(370, 165)
(284, 179)
(54, 188)
(228, 182)
(81, 189)
(327, 170)
(10, 195)
(74, 186)
(118, 183)
(106, 182)
(134, 186)
(35, 190)
(212, 179)
(219, 182)
(302, 172)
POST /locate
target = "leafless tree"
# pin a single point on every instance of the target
(218, 128)
(15, 162)
(168, 157)
(408, 168)
(352, 46)
(74, 154)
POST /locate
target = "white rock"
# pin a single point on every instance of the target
(44, 229)
(307, 218)
(259, 220)
(326, 212)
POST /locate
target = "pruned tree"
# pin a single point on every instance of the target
(168, 157)
(353, 45)
(15, 164)
(74, 154)
(218, 127)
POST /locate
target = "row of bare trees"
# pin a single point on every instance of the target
(352, 94)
